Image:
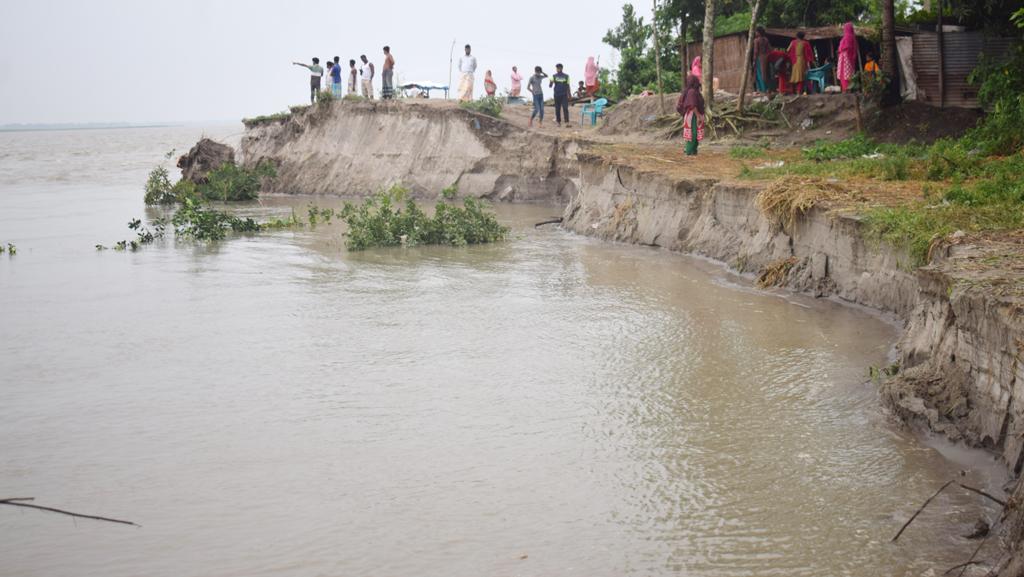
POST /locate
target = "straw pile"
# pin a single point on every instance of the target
(792, 196)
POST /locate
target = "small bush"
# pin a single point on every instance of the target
(325, 96)
(232, 182)
(489, 105)
(391, 219)
(158, 187)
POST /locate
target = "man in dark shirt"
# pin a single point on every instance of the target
(560, 81)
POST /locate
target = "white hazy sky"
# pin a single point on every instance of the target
(197, 60)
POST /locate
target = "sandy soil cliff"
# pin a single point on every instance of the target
(358, 148)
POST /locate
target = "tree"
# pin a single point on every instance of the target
(630, 39)
(747, 57)
(889, 39)
(707, 59)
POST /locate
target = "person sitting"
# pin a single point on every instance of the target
(871, 67)
(581, 90)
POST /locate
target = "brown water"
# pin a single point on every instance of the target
(548, 406)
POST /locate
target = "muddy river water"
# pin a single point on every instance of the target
(547, 406)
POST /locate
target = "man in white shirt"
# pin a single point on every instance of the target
(467, 66)
(367, 72)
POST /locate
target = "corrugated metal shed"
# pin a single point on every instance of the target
(961, 51)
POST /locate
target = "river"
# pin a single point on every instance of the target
(547, 406)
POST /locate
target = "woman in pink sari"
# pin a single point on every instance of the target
(590, 77)
(695, 68)
(846, 65)
(490, 87)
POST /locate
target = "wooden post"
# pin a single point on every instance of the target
(657, 55)
(746, 58)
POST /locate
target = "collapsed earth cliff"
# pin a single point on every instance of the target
(358, 148)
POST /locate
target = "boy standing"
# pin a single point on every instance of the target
(536, 88)
(336, 78)
(560, 81)
(352, 75)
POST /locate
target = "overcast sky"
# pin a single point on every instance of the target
(200, 60)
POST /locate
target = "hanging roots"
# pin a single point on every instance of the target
(775, 273)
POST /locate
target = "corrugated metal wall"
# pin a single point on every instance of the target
(729, 53)
(961, 52)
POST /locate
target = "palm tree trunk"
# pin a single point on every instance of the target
(889, 38)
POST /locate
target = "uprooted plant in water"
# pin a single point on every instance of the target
(391, 219)
(227, 182)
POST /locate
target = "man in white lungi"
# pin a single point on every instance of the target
(467, 66)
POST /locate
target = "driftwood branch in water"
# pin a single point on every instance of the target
(921, 508)
(554, 220)
(962, 565)
(16, 502)
(982, 493)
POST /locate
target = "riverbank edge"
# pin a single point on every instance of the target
(959, 354)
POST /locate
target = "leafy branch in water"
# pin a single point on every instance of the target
(228, 182)
(11, 249)
(391, 219)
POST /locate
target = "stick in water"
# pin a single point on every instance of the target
(921, 508)
(15, 502)
(982, 493)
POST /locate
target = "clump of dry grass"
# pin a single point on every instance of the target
(774, 273)
(789, 197)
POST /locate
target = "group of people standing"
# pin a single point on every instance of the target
(362, 77)
(559, 82)
(790, 67)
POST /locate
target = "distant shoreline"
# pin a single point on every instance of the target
(58, 127)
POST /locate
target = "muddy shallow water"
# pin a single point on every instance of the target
(551, 405)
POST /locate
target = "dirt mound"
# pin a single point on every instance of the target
(920, 122)
(205, 156)
(638, 115)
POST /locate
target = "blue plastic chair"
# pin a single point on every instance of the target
(819, 76)
(593, 110)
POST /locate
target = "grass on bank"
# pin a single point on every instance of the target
(960, 188)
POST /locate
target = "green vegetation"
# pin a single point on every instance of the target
(11, 249)
(747, 152)
(391, 219)
(266, 119)
(228, 182)
(489, 105)
(324, 96)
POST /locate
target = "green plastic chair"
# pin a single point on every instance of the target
(819, 76)
(593, 111)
